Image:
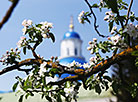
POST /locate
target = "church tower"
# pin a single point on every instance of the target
(71, 47)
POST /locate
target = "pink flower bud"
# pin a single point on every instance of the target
(109, 38)
(11, 49)
(94, 39)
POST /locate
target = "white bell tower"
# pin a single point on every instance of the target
(71, 43)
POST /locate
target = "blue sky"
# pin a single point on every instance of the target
(56, 11)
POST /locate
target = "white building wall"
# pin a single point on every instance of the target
(68, 47)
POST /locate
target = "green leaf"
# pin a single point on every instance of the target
(48, 98)
(111, 26)
(21, 98)
(24, 50)
(15, 86)
(95, 6)
(108, 78)
(134, 53)
(136, 18)
(132, 18)
(98, 89)
(26, 96)
(59, 98)
(116, 20)
(52, 37)
(115, 87)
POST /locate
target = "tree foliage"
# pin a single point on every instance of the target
(121, 43)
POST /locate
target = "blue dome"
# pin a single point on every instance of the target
(67, 60)
(71, 59)
(71, 34)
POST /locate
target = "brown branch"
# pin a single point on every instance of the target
(95, 19)
(33, 52)
(102, 66)
(9, 12)
(127, 18)
(17, 66)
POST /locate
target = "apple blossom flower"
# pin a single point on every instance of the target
(44, 36)
(10, 57)
(69, 91)
(89, 48)
(94, 39)
(27, 23)
(94, 59)
(115, 39)
(42, 69)
(74, 64)
(46, 25)
(81, 17)
(109, 16)
(24, 30)
(114, 29)
(22, 42)
(86, 65)
(131, 30)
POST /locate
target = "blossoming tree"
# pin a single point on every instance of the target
(43, 75)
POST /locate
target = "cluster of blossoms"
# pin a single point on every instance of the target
(22, 42)
(115, 39)
(81, 17)
(11, 56)
(74, 64)
(132, 30)
(26, 24)
(109, 16)
(45, 28)
(94, 60)
(92, 45)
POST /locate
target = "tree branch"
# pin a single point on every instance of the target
(102, 66)
(9, 12)
(127, 18)
(95, 20)
(17, 66)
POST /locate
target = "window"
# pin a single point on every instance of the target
(76, 51)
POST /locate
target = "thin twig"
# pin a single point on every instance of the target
(9, 12)
(95, 20)
(127, 18)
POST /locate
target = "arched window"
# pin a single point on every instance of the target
(76, 51)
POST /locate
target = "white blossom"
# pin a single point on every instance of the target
(114, 29)
(44, 36)
(94, 39)
(69, 91)
(30, 22)
(94, 59)
(27, 23)
(46, 25)
(115, 39)
(42, 69)
(77, 64)
(86, 65)
(131, 30)
(81, 16)
(22, 42)
(24, 30)
(109, 16)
